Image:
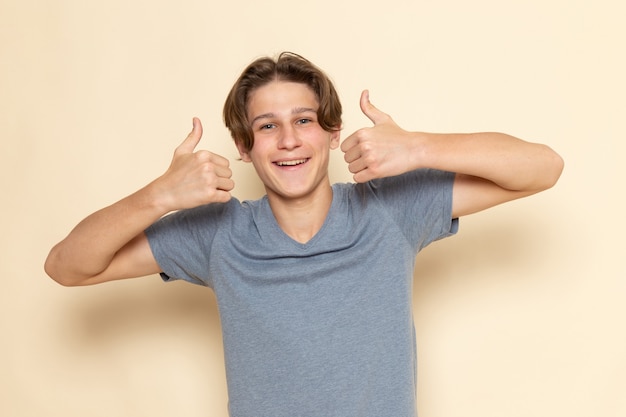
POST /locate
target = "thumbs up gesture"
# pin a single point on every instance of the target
(194, 177)
(382, 150)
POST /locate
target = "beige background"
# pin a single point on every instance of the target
(521, 314)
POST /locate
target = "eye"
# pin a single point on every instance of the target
(266, 126)
(303, 121)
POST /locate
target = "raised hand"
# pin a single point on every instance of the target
(195, 177)
(380, 151)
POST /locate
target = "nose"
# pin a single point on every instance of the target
(288, 138)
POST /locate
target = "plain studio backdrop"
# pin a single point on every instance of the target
(521, 314)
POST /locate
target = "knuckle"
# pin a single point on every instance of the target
(370, 159)
(362, 134)
(202, 156)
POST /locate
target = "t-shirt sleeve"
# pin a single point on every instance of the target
(181, 242)
(420, 202)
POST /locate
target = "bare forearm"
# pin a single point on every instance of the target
(490, 168)
(511, 163)
(386, 149)
(110, 244)
(91, 245)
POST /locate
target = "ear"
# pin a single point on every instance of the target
(334, 138)
(243, 152)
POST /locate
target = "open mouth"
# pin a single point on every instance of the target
(291, 163)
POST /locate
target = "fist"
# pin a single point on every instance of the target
(379, 151)
(195, 177)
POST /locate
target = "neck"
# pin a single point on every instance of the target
(301, 218)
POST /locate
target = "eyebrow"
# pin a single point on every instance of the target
(296, 110)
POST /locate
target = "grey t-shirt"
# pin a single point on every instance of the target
(323, 328)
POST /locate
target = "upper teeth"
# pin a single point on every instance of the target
(291, 163)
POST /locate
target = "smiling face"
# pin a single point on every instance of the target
(291, 149)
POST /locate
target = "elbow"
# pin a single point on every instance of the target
(555, 169)
(59, 280)
(54, 271)
(544, 174)
(62, 279)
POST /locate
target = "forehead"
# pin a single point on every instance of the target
(280, 97)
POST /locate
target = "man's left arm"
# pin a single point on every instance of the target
(491, 168)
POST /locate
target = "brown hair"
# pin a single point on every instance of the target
(287, 67)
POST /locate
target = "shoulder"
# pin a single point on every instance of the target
(198, 218)
(421, 182)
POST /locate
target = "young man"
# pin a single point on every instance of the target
(313, 280)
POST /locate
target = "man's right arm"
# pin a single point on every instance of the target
(110, 244)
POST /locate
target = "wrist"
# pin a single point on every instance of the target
(420, 150)
(154, 199)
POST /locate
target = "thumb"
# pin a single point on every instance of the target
(192, 139)
(372, 113)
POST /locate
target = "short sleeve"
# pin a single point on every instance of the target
(420, 202)
(181, 242)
